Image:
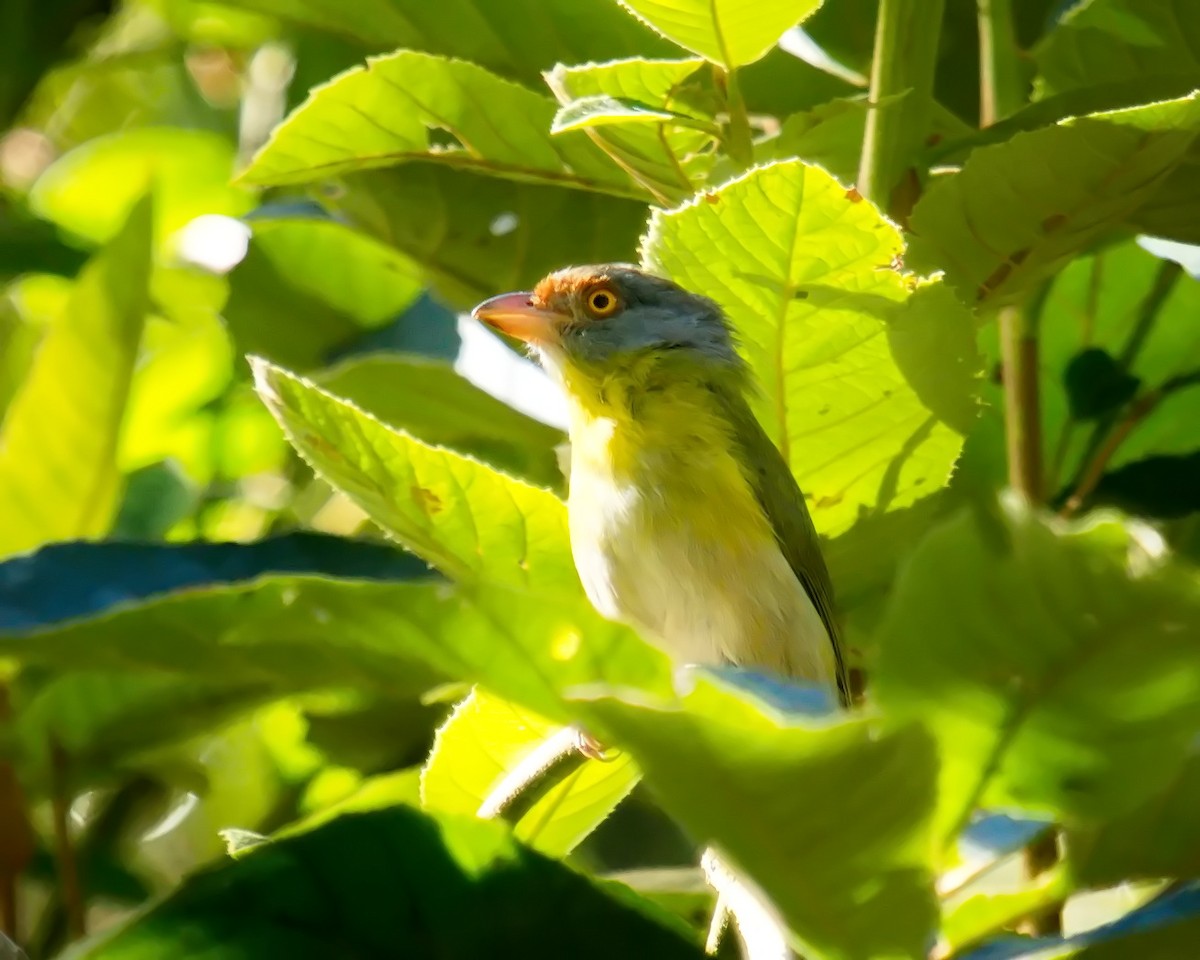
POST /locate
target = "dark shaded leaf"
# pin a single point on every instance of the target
(514, 38)
(74, 580)
(1158, 487)
(1097, 384)
(1109, 41)
(393, 883)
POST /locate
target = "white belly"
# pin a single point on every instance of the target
(703, 598)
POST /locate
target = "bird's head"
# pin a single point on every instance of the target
(598, 321)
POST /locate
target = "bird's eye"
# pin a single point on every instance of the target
(602, 302)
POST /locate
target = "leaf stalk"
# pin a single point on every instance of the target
(738, 142)
(1001, 91)
(1022, 403)
(902, 73)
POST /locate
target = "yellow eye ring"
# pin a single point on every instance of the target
(602, 302)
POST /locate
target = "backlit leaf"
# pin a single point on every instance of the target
(62, 482)
(485, 740)
(650, 115)
(384, 114)
(727, 32)
(867, 376)
(461, 516)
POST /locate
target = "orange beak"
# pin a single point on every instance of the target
(515, 315)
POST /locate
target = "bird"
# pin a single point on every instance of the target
(685, 519)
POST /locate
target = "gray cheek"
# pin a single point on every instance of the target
(592, 341)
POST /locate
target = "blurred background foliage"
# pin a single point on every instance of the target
(199, 634)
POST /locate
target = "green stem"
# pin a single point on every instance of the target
(1001, 89)
(1135, 413)
(17, 842)
(102, 836)
(1164, 283)
(902, 71)
(69, 886)
(543, 769)
(738, 142)
(1022, 407)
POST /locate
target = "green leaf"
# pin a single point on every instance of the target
(485, 740)
(91, 190)
(62, 483)
(1173, 212)
(1168, 939)
(182, 391)
(514, 38)
(1158, 838)
(727, 32)
(655, 117)
(774, 795)
(482, 528)
(383, 114)
(394, 639)
(307, 287)
(981, 915)
(867, 376)
(1018, 211)
(1053, 679)
(828, 136)
(398, 788)
(602, 110)
(471, 522)
(28, 307)
(1118, 41)
(429, 400)
(391, 883)
(293, 631)
(863, 562)
(477, 236)
(81, 579)
(680, 890)
(110, 723)
(781, 84)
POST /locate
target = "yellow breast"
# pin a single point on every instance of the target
(667, 534)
